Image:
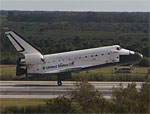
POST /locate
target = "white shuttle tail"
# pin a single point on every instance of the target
(21, 45)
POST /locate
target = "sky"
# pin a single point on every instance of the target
(77, 5)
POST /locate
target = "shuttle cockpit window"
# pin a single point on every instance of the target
(118, 48)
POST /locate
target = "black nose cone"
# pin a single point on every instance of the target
(132, 58)
(138, 56)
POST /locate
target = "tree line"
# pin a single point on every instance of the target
(55, 16)
(54, 32)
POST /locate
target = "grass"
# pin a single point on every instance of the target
(19, 102)
(8, 72)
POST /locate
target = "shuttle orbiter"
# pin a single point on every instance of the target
(64, 63)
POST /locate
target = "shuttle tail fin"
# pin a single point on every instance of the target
(21, 45)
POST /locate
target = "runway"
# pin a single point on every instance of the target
(49, 89)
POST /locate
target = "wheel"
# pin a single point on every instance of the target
(59, 83)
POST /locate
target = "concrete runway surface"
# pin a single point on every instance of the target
(49, 89)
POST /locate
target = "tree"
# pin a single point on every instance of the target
(129, 100)
(89, 98)
(145, 62)
(62, 105)
(144, 96)
(126, 100)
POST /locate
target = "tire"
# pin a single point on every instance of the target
(59, 83)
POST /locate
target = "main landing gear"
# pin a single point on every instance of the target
(63, 76)
(59, 83)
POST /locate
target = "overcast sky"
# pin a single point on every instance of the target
(77, 5)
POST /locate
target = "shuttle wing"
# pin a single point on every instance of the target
(64, 70)
(71, 69)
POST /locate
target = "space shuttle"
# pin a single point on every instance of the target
(34, 63)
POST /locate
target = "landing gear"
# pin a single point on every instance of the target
(59, 80)
(63, 76)
(59, 83)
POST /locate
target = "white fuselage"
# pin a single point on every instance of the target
(82, 59)
(63, 64)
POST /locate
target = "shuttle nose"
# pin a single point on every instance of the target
(132, 58)
(138, 56)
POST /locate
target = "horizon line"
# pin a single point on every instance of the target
(74, 11)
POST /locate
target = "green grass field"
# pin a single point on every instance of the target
(8, 72)
(19, 102)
